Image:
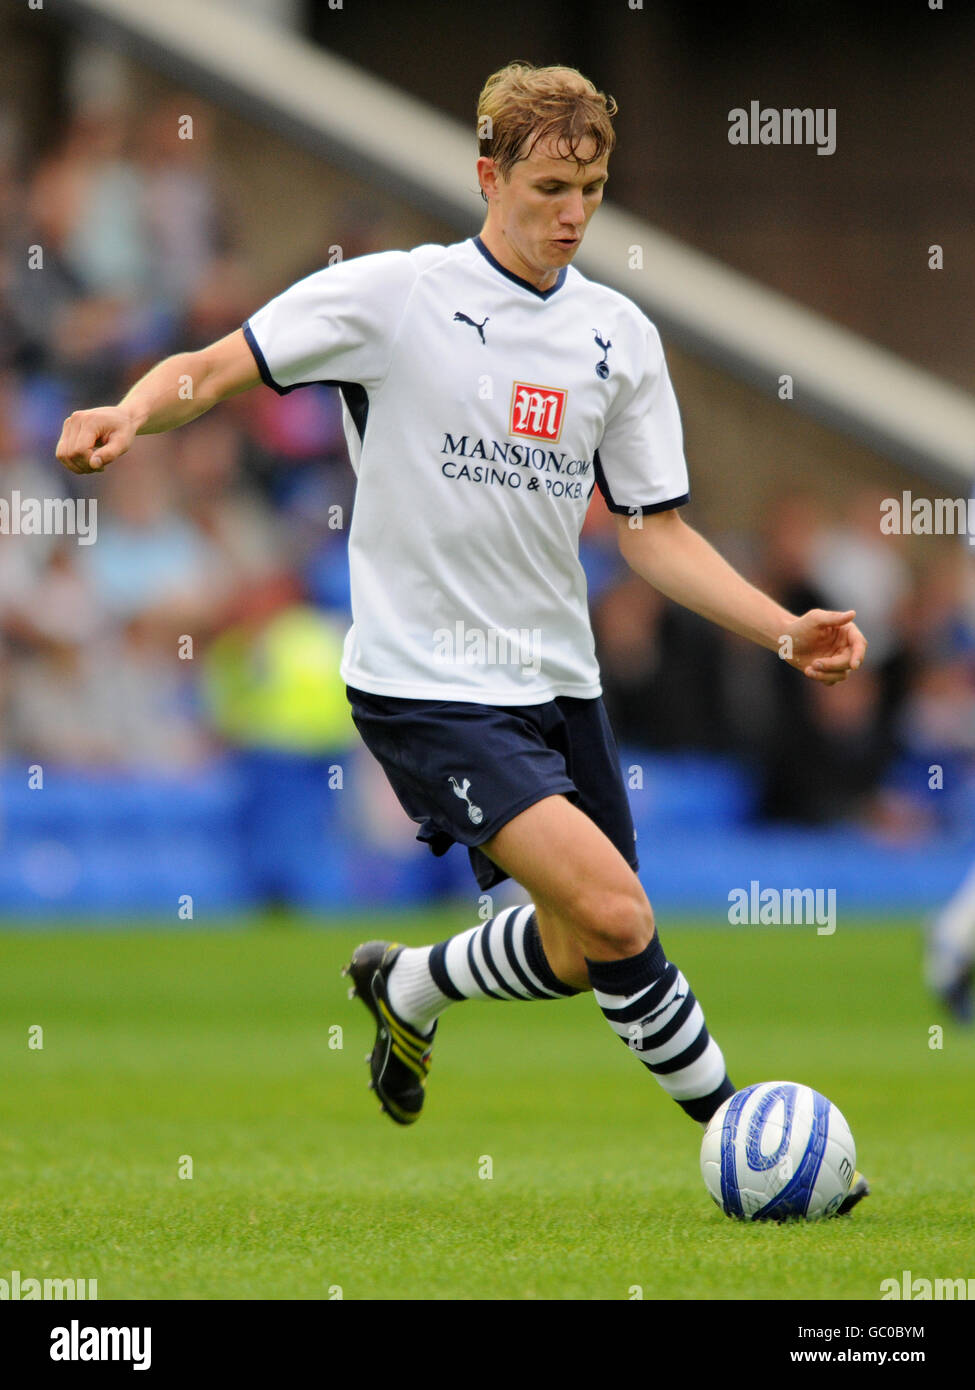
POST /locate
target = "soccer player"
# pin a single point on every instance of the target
(488, 389)
(949, 957)
(949, 947)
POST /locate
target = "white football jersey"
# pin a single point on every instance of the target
(480, 414)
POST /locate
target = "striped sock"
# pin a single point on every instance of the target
(499, 959)
(649, 1003)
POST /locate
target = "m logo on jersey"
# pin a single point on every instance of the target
(537, 411)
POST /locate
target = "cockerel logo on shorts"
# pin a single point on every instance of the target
(537, 411)
(475, 813)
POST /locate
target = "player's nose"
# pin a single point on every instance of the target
(573, 212)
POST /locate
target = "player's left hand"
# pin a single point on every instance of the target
(825, 646)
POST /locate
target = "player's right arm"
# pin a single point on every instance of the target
(172, 393)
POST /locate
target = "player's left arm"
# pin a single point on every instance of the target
(677, 560)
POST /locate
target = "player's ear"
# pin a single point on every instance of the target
(487, 176)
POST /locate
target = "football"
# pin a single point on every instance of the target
(778, 1150)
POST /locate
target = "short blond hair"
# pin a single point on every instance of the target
(525, 104)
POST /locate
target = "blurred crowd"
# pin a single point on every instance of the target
(874, 748)
(211, 609)
(155, 643)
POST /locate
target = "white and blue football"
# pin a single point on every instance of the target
(778, 1150)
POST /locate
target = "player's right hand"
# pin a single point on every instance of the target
(91, 439)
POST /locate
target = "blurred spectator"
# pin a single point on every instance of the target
(936, 723)
(86, 201)
(853, 565)
(85, 692)
(243, 536)
(151, 561)
(183, 225)
(660, 671)
(274, 692)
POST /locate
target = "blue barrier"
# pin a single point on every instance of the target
(264, 827)
(112, 844)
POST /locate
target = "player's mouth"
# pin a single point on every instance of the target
(566, 242)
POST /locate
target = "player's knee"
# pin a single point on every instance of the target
(619, 922)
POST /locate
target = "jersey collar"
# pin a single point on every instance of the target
(510, 275)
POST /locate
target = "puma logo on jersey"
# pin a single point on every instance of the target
(602, 368)
(475, 814)
(462, 318)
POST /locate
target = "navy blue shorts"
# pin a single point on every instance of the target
(461, 771)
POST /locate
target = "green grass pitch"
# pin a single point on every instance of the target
(238, 1049)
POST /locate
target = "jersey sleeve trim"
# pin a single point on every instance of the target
(262, 366)
(632, 509)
